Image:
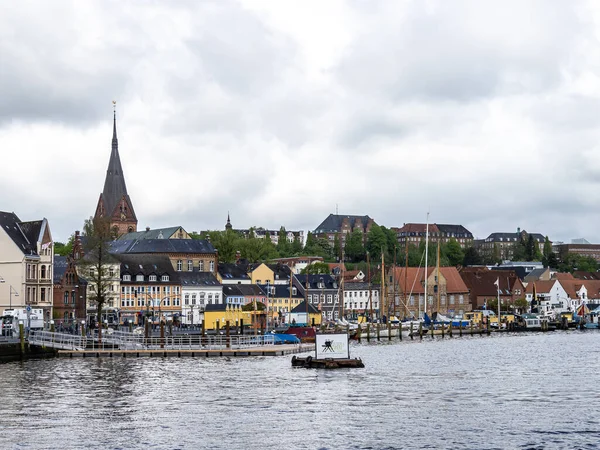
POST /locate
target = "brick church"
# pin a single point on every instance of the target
(114, 202)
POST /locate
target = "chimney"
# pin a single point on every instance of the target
(147, 228)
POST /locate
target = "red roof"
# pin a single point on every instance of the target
(415, 278)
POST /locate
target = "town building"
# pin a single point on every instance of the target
(114, 203)
(298, 263)
(414, 233)
(589, 250)
(149, 288)
(157, 233)
(501, 245)
(70, 289)
(262, 233)
(185, 255)
(486, 285)
(199, 289)
(280, 300)
(26, 264)
(343, 225)
(233, 273)
(446, 291)
(322, 291)
(298, 315)
(361, 299)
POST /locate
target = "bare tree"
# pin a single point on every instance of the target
(97, 262)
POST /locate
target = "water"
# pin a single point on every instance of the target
(521, 391)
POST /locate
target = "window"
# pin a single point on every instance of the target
(187, 299)
(43, 294)
(73, 297)
(176, 302)
(336, 314)
(309, 298)
(165, 278)
(193, 299)
(139, 278)
(126, 277)
(460, 299)
(111, 272)
(152, 278)
(294, 290)
(212, 266)
(329, 298)
(452, 299)
(337, 298)
(329, 314)
(201, 266)
(210, 297)
(92, 273)
(190, 265)
(216, 298)
(66, 298)
(43, 272)
(179, 264)
(202, 295)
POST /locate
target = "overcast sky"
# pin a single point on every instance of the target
(484, 113)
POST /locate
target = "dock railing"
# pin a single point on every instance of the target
(57, 340)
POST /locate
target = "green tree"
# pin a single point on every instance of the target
(96, 263)
(227, 243)
(296, 246)
(376, 242)
(454, 252)
(64, 249)
(354, 249)
(284, 248)
(472, 257)
(337, 249)
(520, 249)
(316, 268)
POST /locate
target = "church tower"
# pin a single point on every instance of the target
(114, 202)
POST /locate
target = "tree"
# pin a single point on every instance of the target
(316, 268)
(296, 246)
(337, 249)
(454, 252)
(549, 258)
(354, 249)
(64, 249)
(283, 246)
(96, 263)
(376, 241)
(227, 243)
(532, 249)
(471, 257)
(520, 249)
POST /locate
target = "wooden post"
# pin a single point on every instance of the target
(432, 328)
(227, 330)
(400, 331)
(359, 333)
(146, 330)
(22, 338)
(203, 328)
(450, 329)
(488, 327)
(443, 329)
(368, 332)
(421, 330)
(131, 327)
(162, 334)
(241, 330)
(218, 328)
(471, 328)
(378, 332)
(389, 330)
(460, 328)
(411, 331)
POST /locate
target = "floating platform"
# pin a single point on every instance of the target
(276, 350)
(328, 363)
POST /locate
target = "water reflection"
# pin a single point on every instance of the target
(521, 391)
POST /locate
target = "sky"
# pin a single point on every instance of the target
(482, 113)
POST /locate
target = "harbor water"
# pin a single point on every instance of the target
(528, 391)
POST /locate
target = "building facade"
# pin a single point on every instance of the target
(414, 233)
(26, 264)
(342, 225)
(502, 245)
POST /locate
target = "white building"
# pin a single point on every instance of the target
(198, 289)
(26, 264)
(358, 298)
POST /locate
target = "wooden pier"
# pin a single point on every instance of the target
(272, 350)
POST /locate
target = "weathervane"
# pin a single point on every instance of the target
(114, 102)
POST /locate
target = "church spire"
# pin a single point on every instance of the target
(115, 142)
(228, 224)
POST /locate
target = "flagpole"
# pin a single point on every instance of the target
(498, 292)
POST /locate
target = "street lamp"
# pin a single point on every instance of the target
(11, 291)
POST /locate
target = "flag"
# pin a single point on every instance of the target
(497, 282)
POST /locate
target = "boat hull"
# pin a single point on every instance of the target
(328, 363)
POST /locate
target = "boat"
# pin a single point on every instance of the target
(332, 351)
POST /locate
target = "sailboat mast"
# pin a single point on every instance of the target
(394, 284)
(438, 275)
(369, 281)
(383, 309)
(289, 309)
(307, 287)
(426, 251)
(405, 275)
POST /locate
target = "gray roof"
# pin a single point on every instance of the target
(512, 236)
(281, 291)
(189, 246)
(231, 290)
(60, 267)
(360, 286)
(301, 308)
(196, 278)
(333, 222)
(232, 271)
(328, 282)
(454, 230)
(147, 265)
(158, 233)
(25, 235)
(114, 184)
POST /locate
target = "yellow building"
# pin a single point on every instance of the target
(222, 313)
(261, 274)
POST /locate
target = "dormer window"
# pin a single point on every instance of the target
(126, 277)
(152, 278)
(139, 278)
(272, 290)
(164, 278)
(294, 290)
(179, 265)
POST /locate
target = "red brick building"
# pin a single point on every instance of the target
(69, 296)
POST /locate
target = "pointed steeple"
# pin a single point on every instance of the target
(228, 224)
(115, 142)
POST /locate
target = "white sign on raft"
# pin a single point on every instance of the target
(332, 346)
